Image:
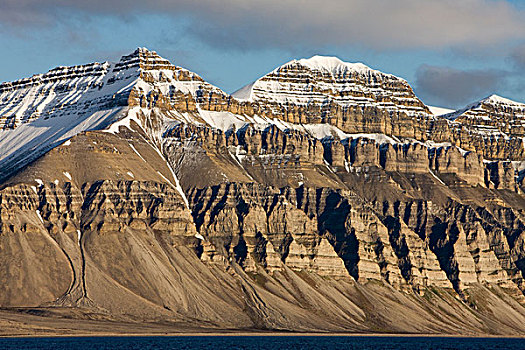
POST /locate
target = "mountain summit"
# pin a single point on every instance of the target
(40, 112)
(322, 80)
(493, 117)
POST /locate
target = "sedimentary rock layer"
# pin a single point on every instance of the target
(328, 199)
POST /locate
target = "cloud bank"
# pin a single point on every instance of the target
(518, 58)
(251, 24)
(454, 87)
(473, 28)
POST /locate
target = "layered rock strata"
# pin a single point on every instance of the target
(329, 199)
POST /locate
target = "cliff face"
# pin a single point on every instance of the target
(192, 207)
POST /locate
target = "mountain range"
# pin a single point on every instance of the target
(323, 197)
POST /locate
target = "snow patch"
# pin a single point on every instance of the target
(199, 236)
(378, 138)
(125, 122)
(39, 216)
(439, 111)
(320, 131)
(66, 174)
(435, 176)
(137, 152)
(244, 93)
(433, 144)
(518, 165)
(222, 120)
(238, 156)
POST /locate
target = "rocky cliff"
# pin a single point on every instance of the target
(326, 198)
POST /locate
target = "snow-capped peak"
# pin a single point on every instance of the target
(39, 113)
(492, 117)
(321, 80)
(144, 50)
(500, 100)
(477, 108)
(332, 64)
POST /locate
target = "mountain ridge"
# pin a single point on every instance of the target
(184, 206)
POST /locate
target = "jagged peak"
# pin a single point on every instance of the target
(145, 59)
(142, 51)
(145, 53)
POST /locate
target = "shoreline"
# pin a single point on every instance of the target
(67, 323)
(257, 334)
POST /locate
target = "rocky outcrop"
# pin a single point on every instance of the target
(67, 224)
(411, 245)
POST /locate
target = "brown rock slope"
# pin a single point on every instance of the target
(166, 219)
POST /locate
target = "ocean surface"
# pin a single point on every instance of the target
(262, 342)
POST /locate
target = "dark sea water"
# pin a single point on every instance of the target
(264, 342)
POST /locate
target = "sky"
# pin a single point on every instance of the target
(452, 52)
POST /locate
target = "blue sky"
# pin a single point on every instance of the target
(451, 52)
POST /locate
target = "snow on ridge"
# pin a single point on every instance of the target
(330, 64)
(491, 100)
(440, 111)
(225, 121)
(29, 141)
(502, 100)
(244, 93)
(334, 65)
(44, 111)
(89, 69)
(492, 117)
